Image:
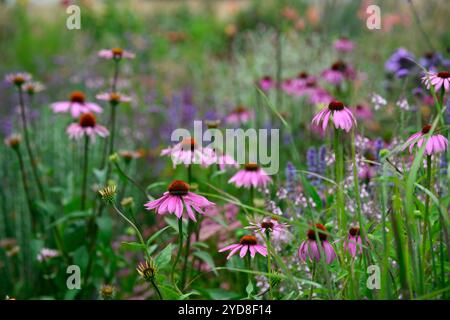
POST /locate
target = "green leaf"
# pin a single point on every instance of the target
(249, 288)
(164, 257)
(156, 235)
(135, 246)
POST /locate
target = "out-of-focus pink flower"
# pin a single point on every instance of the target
(366, 172)
(223, 160)
(115, 53)
(434, 144)
(188, 152)
(46, 254)
(177, 199)
(344, 45)
(278, 230)
(341, 115)
(246, 244)
(266, 83)
(437, 80)
(33, 87)
(251, 176)
(77, 105)
(309, 249)
(363, 112)
(239, 115)
(87, 126)
(18, 78)
(353, 244)
(338, 72)
(113, 97)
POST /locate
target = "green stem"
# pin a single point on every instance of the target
(85, 170)
(157, 289)
(339, 168)
(26, 189)
(311, 289)
(269, 264)
(186, 254)
(427, 226)
(28, 144)
(126, 176)
(180, 247)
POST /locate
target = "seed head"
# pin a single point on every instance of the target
(107, 291)
(147, 270)
(108, 193)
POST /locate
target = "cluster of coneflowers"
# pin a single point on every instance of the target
(181, 201)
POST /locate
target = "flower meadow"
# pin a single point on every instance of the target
(97, 201)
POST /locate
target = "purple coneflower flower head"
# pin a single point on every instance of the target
(251, 176)
(434, 144)
(278, 230)
(239, 115)
(437, 80)
(309, 249)
(177, 199)
(87, 126)
(363, 112)
(341, 116)
(33, 87)
(266, 83)
(338, 72)
(77, 105)
(353, 244)
(113, 97)
(400, 63)
(46, 254)
(188, 152)
(18, 79)
(246, 244)
(344, 45)
(115, 53)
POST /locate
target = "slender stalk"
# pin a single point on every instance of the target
(313, 273)
(180, 247)
(427, 227)
(85, 170)
(339, 168)
(138, 233)
(26, 188)
(28, 144)
(122, 173)
(156, 289)
(186, 254)
(269, 265)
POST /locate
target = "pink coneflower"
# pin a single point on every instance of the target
(239, 115)
(246, 244)
(188, 152)
(18, 78)
(87, 126)
(353, 244)
(338, 72)
(437, 80)
(251, 176)
(176, 199)
(115, 53)
(341, 115)
(435, 143)
(344, 45)
(363, 112)
(113, 97)
(278, 230)
(33, 87)
(310, 248)
(77, 105)
(222, 159)
(266, 83)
